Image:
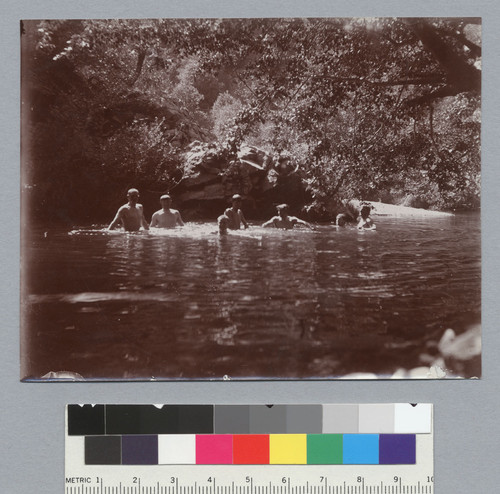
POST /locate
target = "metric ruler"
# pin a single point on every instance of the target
(134, 449)
(218, 480)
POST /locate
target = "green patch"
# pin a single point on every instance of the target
(324, 449)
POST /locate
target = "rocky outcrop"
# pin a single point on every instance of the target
(213, 176)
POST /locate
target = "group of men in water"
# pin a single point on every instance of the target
(233, 218)
(131, 216)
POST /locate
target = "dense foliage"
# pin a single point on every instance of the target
(369, 108)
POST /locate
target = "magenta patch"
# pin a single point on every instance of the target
(214, 449)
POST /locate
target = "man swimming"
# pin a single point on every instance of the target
(234, 214)
(341, 220)
(166, 217)
(130, 215)
(365, 221)
(283, 220)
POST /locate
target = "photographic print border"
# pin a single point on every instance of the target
(465, 411)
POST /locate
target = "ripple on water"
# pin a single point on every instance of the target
(81, 298)
(184, 300)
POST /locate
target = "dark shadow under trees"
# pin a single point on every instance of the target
(381, 109)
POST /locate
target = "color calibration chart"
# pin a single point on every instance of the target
(249, 449)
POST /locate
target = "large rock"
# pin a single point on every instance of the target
(207, 193)
(462, 352)
(253, 157)
(213, 175)
(207, 165)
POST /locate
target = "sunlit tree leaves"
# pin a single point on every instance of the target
(375, 108)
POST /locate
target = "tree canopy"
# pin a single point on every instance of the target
(372, 108)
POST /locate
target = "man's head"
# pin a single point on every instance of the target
(237, 200)
(341, 219)
(165, 201)
(282, 210)
(365, 211)
(133, 196)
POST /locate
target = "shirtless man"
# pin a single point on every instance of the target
(365, 221)
(166, 217)
(235, 214)
(130, 215)
(283, 220)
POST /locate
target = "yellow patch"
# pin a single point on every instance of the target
(288, 449)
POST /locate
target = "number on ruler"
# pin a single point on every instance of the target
(361, 484)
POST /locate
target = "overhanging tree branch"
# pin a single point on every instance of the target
(460, 72)
(139, 65)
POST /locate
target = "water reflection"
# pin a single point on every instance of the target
(189, 303)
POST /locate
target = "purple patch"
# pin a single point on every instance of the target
(397, 449)
(140, 450)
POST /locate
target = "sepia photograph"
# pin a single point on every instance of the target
(250, 199)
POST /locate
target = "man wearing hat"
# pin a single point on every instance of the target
(234, 214)
(166, 217)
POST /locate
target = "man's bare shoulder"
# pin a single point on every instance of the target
(272, 220)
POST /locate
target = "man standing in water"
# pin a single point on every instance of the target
(166, 217)
(130, 215)
(283, 220)
(365, 221)
(235, 215)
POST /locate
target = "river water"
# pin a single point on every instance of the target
(263, 303)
